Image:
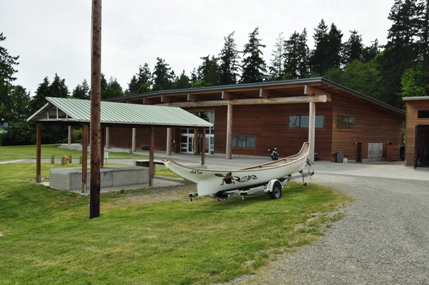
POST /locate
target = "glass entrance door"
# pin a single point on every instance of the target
(187, 136)
(187, 142)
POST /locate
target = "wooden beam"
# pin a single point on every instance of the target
(282, 100)
(169, 142)
(229, 132)
(69, 135)
(151, 155)
(133, 140)
(311, 129)
(226, 95)
(203, 146)
(312, 91)
(38, 152)
(195, 146)
(107, 137)
(84, 158)
(103, 132)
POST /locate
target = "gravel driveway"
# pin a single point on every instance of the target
(383, 239)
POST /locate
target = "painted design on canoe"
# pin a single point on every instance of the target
(212, 181)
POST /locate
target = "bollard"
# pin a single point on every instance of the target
(52, 159)
(62, 160)
(80, 159)
(70, 158)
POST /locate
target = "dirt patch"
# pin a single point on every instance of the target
(158, 194)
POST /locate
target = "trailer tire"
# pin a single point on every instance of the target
(277, 191)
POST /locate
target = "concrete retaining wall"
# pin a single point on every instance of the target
(71, 178)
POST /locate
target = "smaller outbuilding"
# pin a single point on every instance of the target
(417, 131)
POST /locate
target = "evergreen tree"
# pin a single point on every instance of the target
(423, 10)
(7, 70)
(143, 77)
(112, 90)
(353, 48)
(58, 88)
(103, 83)
(19, 132)
(182, 81)
(38, 100)
(335, 47)
(296, 64)
(276, 70)
(209, 71)
(229, 64)
(81, 91)
(194, 76)
(253, 65)
(318, 56)
(369, 53)
(401, 50)
(162, 76)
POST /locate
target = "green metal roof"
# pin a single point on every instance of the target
(63, 110)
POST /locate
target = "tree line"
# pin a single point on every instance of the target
(387, 73)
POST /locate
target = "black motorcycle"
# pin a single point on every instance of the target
(274, 154)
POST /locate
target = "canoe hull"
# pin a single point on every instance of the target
(211, 181)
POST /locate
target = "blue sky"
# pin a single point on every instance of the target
(53, 36)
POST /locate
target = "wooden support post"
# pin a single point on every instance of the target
(203, 146)
(102, 147)
(107, 137)
(311, 129)
(94, 205)
(195, 141)
(169, 137)
(229, 132)
(133, 140)
(38, 152)
(84, 157)
(151, 155)
(70, 135)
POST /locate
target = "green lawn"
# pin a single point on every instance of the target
(138, 239)
(8, 153)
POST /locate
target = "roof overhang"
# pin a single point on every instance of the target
(418, 98)
(264, 92)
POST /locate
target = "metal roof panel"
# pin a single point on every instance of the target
(77, 110)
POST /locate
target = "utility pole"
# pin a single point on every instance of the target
(94, 205)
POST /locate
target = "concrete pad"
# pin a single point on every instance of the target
(113, 176)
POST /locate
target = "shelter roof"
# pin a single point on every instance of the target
(69, 111)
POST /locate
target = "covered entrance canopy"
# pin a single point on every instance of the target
(63, 111)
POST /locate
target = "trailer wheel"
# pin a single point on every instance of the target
(277, 191)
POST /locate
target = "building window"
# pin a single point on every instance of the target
(345, 122)
(302, 121)
(423, 114)
(243, 141)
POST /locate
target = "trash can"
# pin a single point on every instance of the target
(339, 157)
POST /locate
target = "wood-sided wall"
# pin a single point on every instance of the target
(413, 106)
(372, 125)
(269, 124)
